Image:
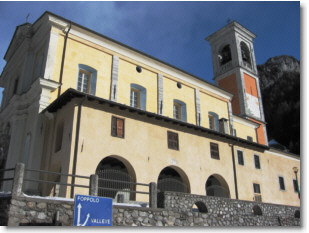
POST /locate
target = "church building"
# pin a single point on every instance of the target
(77, 102)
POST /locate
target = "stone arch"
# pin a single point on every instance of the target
(297, 214)
(217, 186)
(199, 206)
(257, 210)
(173, 179)
(112, 169)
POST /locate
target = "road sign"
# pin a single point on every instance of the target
(92, 211)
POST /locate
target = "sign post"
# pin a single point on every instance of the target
(92, 211)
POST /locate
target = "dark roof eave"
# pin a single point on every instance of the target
(69, 94)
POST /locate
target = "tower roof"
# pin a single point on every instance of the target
(233, 26)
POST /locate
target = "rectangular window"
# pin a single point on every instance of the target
(211, 120)
(172, 140)
(256, 188)
(214, 150)
(135, 98)
(295, 186)
(59, 136)
(15, 86)
(240, 157)
(250, 139)
(177, 111)
(234, 132)
(257, 162)
(281, 183)
(117, 127)
(83, 81)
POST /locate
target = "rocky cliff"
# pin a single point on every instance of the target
(280, 87)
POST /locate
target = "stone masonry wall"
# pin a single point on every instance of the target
(4, 208)
(176, 212)
(230, 211)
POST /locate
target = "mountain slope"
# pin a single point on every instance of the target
(280, 87)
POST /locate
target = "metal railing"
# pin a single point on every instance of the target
(21, 175)
(118, 185)
(2, 179)
(56, 182)
(173, 185)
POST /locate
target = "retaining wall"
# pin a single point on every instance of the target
(176, 211)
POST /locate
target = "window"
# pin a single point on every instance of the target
(179, 110)
(257, 192)
(240, 157)
(295, 185)
(59, 136)
(172, 140)
(211, 122)
(245, 54)
(137, 96)
(15, 86)
(249, 138)
(257, 162)
(38, 65)
(281, 183)
(225, 55)
(256, 188)
(213, 119)
(234, 132)
(87, 79)
(214, 150)
(117, 127)
(83, 81)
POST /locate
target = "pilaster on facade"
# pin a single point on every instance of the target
(114, 83)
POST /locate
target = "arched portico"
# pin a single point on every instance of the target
(173, 179)
(115, 173)
(217, 186)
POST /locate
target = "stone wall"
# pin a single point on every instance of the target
(230, 211)
(4, 209)
(177, 211)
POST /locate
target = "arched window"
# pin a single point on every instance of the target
(138, 96)
(216, 186)
(174, 180)
(245, 53)
(200, 207)
(297, 214)
(179, 110)
(116, 177)
(225, 55)
(257, 210)
(213, 119)
(87, 79)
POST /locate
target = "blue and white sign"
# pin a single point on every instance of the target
(92, 211)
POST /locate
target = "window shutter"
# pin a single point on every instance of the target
(119, 127)
(93, 83)
(114, 126)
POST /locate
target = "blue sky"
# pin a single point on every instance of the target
(174, 32)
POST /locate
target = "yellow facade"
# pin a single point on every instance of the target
(87, 138)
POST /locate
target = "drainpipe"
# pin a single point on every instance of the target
(63, 57)
(234, 170)
(76, 146)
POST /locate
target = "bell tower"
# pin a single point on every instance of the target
(235, 70)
